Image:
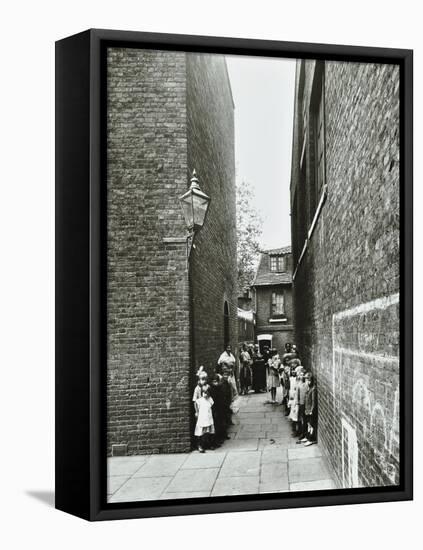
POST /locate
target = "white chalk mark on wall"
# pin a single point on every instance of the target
(394, 433)
(349, 455)
(364, 355)
(379, 303)
(378, 414)
(361, 395)
(341, 350)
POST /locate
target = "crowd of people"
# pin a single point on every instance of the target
(212, 401)
(213, 398)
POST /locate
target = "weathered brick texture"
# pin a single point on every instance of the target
(152, 120)
(210, 112)
(346, 287)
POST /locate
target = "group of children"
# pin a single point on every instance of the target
(212, 408)
(212, 401)
(299, 394)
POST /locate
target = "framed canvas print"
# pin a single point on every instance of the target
(233, 274)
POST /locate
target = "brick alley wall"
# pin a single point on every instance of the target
(168, 112)
(210, 112)
(148, 316)
(346, 286)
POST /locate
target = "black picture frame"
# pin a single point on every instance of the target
(80, 274)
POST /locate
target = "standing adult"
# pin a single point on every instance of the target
(259, 371)
(291, 353)
(218, 409)
(311, 410)
(245, 372)
(227, 362)
(287, 354)
(301, 391)
(273, 381)
(285, 381)
(226, 393)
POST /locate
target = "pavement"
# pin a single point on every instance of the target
(261, 457)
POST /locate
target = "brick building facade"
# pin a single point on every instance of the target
(345, 236)
(273, 296)
(168, 113)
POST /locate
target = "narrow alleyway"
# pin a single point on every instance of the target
(260, 457)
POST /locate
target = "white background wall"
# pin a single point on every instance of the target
(27, 36)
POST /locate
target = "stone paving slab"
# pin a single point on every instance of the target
(161, 465)
(255, 409)
(276, 474)
(299, 452)
(248, 420)
(243, 485)
(114, 483)
(321, 484)
(241, 464)
(249, 444)
(197, 480)
(271, 414)
(277, 442)
(279, 420)
(206, 460)
(261, 456)
(194, 494)
(277, 432)
(274, 454)
(125, 465)
(271, 488)
(247, 414)
(250, 433)
(281, 438)
(251, 428)
(307, 469)
(141, 488)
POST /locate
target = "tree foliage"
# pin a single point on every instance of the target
(249, 230)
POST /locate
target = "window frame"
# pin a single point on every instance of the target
(273, 304)
(279, 261)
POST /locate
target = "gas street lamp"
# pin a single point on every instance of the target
(194, 204)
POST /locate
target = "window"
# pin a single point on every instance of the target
(278, 303)
(277, 263)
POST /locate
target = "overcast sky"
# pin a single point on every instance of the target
(263, 91)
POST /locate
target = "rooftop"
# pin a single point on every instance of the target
(283, 250)
(265, 277)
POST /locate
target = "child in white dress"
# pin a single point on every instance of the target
(205, 424)
(201, 382)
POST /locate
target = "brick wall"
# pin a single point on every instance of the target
(210, 113)
(153, 108)
(346, 287)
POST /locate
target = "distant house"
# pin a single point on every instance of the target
(246, 318)
(273, 296)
